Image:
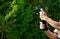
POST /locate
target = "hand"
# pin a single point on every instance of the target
(42, 15)
(42, 26)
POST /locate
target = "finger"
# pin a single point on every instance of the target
(42, 26)
(41, 15)
(40, 12)
(41, 9)
(40, 22)
(43, 12)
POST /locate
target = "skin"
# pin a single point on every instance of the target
(48, 32)
(53, 23)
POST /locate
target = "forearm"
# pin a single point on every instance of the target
(51, 35)
(53, 23)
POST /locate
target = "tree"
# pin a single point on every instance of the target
(20, 18)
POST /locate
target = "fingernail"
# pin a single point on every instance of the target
(40, 22)
(40, 12)
(41, 9)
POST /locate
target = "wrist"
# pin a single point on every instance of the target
(46, 30)
(45, 18)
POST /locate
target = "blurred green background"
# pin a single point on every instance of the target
(19, 19)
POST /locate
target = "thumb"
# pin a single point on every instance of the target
(43, 12)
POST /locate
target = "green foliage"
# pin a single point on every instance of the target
(20, 18)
